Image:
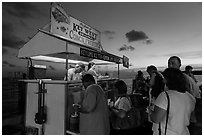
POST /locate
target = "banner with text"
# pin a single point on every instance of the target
(100, 56)
(72, 29)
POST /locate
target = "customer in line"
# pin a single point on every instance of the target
(94, 111)
(182, 104)
(121, 106)
(175, 62)
(156, 82)
(188, 71)
(191, 87)
(140, 84)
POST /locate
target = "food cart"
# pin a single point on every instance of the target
(48, 106)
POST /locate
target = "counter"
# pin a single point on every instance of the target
(56, 98)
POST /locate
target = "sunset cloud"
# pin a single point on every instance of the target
(9, 64)
(5, 62)
(133, 36)
(9, 39)
(4, 51)
(21, 9)
(187, 55)
(109, 34)
(148, 41)
(136, 36)
(126, 48)
(23, 24)
(182, 55)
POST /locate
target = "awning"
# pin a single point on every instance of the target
(49, 47)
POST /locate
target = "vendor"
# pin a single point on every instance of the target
(76, 72)
(91, 69)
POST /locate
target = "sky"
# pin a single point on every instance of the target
(146, 32)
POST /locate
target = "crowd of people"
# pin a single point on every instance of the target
(172, 98)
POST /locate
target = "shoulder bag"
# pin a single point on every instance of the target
(167, 115)
(130, 121)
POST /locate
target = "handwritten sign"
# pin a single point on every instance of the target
(72, 29)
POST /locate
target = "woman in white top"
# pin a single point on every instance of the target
(121, 106)
(182, 105)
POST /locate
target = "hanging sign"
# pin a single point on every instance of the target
(125, 61)
(72, 29)
(99, 55)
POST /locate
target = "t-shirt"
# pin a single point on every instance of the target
(181, 107)
(123, 103)
(72, 75)
(194, 90)
(192, 87)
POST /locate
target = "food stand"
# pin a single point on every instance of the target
(48, 106)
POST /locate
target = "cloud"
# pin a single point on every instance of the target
(110, 37)
(182, 55)
(7, 27)
(126, 48)
(5, 62)
(23, 24)
(12, 42)
(109, 34)
(9, 64)
(21, 9)
(4, 51)
(9, 39)
(26, 26)
(148, 41)
(12, 65)
(187, 55)
(136, 36)
(51, 67)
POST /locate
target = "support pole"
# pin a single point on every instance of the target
(66, 117)
(66, 61)
(118, 72)
(27, 69)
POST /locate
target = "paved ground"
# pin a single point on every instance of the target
(146, 129)
(12, 124)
